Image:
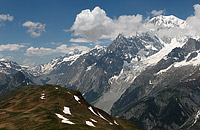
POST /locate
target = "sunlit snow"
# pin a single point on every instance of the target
(91, 109)
(93, 120)
(90, 67)
(116, 122)
(67, 110)
(89, 123)
(77, 98)
(42, 97)
(64, 119)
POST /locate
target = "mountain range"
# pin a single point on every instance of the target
(150, 80)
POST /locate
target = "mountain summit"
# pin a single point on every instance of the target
(170, 21)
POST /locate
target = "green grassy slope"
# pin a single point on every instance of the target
(24, 109)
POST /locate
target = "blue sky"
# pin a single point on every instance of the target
(26, 26)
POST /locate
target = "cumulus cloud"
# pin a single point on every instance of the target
(60, 49)
(194, 21)
(6, 17)
(34, 28)
(11, 47)
(94, 25)
(80, 40)
(156, 13)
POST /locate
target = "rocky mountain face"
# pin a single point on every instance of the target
(10, 67)
(53, 107)
(93, 73)
(12, 76)
(10, 82)
(166, 95)
(45, 69)
(104, 73)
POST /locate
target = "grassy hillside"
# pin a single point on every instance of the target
(52, 107)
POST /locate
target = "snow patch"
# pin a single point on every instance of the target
(150, 82)
(98, 47)
(151, 47)
(67, 111)
(7, 65)
(42, 97)
(196, 118)
(90, 67)
(115, 122)
(110, 123)
(115, 77)
(89, 123)
(77, 99)
(64, 120)
(93, 120)
(91, 109)
(103, 117)
(195, 61)
(164, 70)
(72, 59)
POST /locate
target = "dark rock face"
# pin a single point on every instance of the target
(10, 82)
(12, 75)
(164, 96)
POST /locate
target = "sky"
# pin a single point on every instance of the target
(33, 32)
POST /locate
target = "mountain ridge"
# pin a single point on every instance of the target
(53, 107)
(163, 89)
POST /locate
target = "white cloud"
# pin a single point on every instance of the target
(60, 49)
(80, 40)
(194, 21)
(31, 51)
(11, 47)
(1, 55)
(34, 28)
(9, 58)
(28, 62)
(64, 49)
(94, 25)
(6, 17)
(156, 13)
(55, 43)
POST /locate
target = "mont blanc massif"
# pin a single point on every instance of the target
(152, 80)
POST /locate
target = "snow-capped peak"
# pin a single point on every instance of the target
(98, 47)
(9, 67)
(2, 59)
(53, 64)
(170, 21)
